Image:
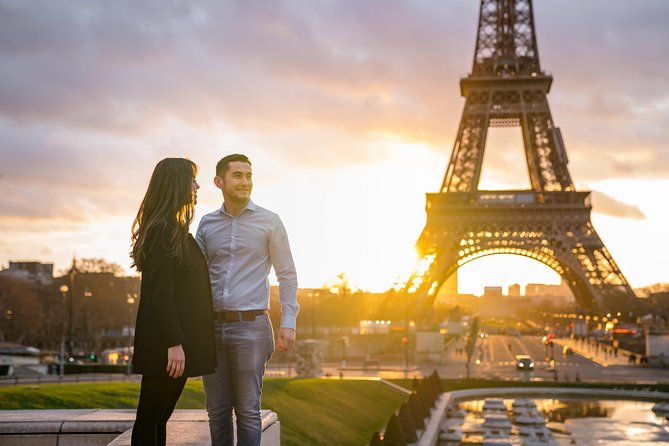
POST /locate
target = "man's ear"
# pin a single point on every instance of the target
(218, 181)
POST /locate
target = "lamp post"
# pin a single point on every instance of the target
(131, 300)
(405, 347)
(344, 345)
(61, 363)
(312, 297)
(405, 338)
(9, 315)
(71, 274)
(88, 294)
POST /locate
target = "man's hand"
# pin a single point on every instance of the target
(176, 361)
(286, 339)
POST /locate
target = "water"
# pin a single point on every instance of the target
(583, 422)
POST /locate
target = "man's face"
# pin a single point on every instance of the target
(237, 182)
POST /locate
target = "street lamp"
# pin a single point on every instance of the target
(63, 291)
(405, 347)
(131, 300)
(344, 345)
(9, 315)
(72, 273)
(312, 297)
(88, 294)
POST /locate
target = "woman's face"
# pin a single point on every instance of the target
(194, 188)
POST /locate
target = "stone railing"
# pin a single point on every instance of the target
(427, 430)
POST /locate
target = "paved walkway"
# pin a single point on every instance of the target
(186, 427)
(597, 352)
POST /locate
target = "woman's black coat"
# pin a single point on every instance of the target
(175, 307)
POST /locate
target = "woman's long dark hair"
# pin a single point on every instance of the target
(169, 204)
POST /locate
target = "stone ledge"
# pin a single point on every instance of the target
(191, 428)
(185, 433)
(65, 421)
(93, 427)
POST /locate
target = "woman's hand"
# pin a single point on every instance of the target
(176, 361)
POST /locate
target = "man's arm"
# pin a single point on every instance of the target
(282, 260)
(201, 241)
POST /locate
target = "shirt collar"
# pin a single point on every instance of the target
(249, 206)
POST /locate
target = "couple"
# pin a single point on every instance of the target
(204, 301)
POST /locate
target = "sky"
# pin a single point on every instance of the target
(348, 110)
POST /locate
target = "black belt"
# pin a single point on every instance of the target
(238, 316)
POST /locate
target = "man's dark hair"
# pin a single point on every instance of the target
(224, 164)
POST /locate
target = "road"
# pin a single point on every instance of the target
(496, 354)
(496, 359)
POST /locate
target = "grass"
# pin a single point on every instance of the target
(311, 411)
(69, 396)
(330, 412)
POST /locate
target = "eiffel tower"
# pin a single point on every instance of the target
(549, 222)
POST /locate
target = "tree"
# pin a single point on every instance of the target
(20, 309)
(95, 265)
(340, 284)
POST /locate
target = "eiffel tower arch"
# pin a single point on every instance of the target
(550, 222)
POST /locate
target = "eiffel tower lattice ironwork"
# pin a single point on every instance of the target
(549, 222)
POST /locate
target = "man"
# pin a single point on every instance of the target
(241, 242)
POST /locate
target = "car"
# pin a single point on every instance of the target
(524, 362)
(566, 350)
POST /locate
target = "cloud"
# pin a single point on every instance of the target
(611, 79)
(265, 66)
(607, 205)
(52, 173)
(307, 70)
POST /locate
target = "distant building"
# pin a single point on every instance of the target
(468, 302)
(514, 290)
(492, 301)
(35, 272)
(492, 291)
(551, 295)
(543, 290)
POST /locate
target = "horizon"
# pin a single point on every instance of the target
(332, 285)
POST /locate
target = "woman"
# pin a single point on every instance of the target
(174, 336)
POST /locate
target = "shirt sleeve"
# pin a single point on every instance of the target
(201, 241)
(282, 261)
(158, 273)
